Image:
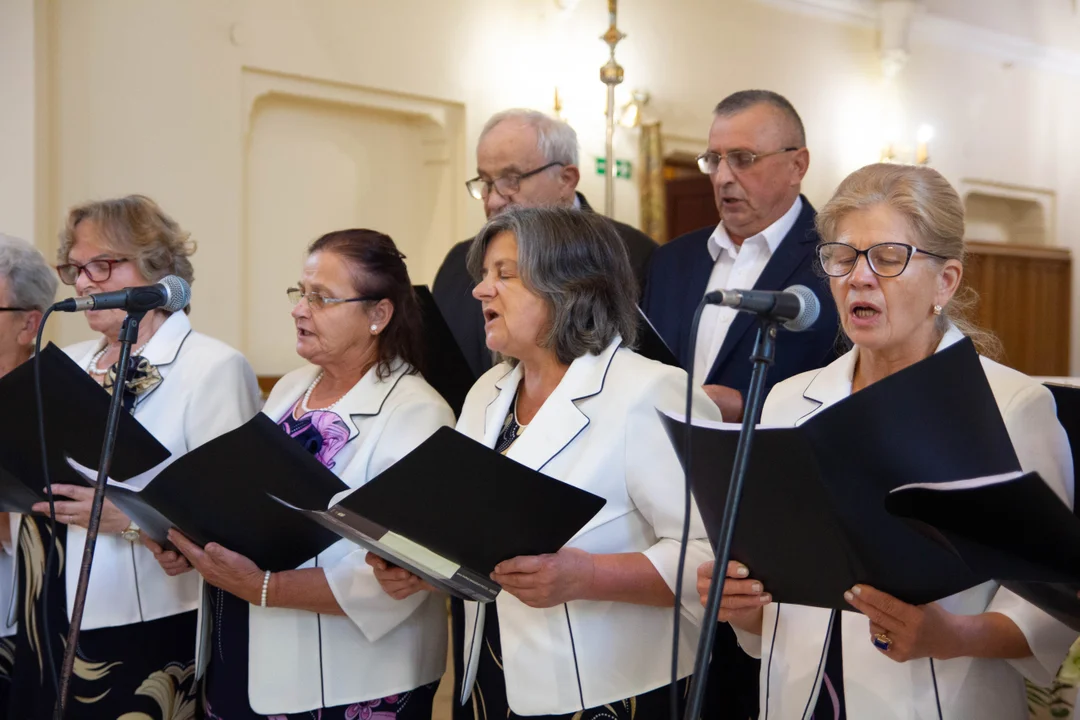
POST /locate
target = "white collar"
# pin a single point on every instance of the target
(163, 346)
(773, 235)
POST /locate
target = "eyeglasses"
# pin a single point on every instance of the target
(708, 162)
(95, 270)
(886, 260)
(318, 302)
(9, 309)
(506, 185)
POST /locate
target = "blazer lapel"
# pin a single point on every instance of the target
(831, 384)
(789, 257)
(287, 391)
(696, 283)
(560, 420)
(164, 347)
(495, 413)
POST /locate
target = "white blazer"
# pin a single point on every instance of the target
(599, 431)
(207, 389)
(794, 637)
(299, 660)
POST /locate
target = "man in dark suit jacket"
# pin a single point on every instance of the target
(524, 159)
(756, 160)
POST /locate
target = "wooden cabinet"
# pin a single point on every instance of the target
(1025, 294)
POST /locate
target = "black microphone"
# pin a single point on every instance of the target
(171, 294)
(797, 306)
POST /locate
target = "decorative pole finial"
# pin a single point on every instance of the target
(611, 74)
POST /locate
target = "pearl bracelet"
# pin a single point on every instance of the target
(265, 587)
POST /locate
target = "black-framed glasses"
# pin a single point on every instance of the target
(506, 185)
(318, 302)
(708, 162)
(95, 270)
(11, 309)
(886, 260)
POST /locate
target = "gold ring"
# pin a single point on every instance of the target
(882, 642)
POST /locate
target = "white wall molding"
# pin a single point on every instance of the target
(930, 29)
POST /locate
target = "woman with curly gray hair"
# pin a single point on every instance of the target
(137, 648)
(578, 631)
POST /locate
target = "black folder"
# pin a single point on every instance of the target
(445, 367)
(651, 345)
(1011, 527)
(76, 409)
(452, 509)
(222, 491)
(813, 520)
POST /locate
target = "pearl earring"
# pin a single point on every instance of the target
(937, 309)
(374, 329)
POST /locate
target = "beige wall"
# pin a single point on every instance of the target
(261, 123)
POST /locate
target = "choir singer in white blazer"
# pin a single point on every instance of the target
(892, 247)
(586, 631)
(324, 639)
(137, 642)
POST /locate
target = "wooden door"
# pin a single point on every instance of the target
(689, 198)
(1025, 296)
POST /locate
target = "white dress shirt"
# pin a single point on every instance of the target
(735, 267)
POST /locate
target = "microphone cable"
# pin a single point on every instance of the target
(679, 575)
(50, 560)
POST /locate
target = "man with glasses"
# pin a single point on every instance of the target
(523, 159)
(756, 160)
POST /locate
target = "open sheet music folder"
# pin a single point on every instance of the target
(813, 520)
(452, 509)
(221, 492)
(1011, 527)
(76, 409)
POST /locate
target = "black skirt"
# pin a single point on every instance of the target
(146, 668)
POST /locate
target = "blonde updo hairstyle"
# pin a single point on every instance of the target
(135, 227)
(935, 214)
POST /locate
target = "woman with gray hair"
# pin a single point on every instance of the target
(137, 647)
(27, 287)
(584, 631)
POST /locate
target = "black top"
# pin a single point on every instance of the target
(453, 291)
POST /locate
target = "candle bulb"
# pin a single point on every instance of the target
(922, 149)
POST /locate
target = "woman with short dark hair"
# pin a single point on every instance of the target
(585, 631)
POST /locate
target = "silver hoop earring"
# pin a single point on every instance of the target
(937, 309)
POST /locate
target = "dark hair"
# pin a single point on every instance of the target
(746, 99)
(577, 263)
(378, 269)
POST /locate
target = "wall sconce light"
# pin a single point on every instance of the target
(922, 148)
(557, 106)
(630, 115)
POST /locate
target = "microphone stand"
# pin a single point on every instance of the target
(129, 332)
(764, 355)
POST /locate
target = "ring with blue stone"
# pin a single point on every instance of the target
(882, 642)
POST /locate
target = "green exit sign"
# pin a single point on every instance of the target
(623, 168)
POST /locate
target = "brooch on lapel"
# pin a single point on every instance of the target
(142, 377)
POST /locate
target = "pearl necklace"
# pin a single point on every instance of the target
(93, 367)
(307, 396)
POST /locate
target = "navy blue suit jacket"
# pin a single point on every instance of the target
(676, 281)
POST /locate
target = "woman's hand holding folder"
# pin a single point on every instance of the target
(172, 562)
(396, 582)
(743, 596)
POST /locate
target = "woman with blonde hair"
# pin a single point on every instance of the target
(892, 245)
(136, 654)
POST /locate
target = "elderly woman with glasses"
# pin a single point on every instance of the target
(27, 287)
(323, 640)
(893, 248)
(584, 632)
(136, 655)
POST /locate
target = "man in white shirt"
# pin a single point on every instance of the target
(756, 160)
